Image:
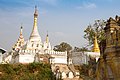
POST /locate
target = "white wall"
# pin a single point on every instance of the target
(79, 58)
(27, 58)
(59, 60)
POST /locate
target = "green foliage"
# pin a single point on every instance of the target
(96, 29)
(77, 49)
(32, 71)
(63, 47)
(87, 71)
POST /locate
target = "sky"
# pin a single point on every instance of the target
(65, 20)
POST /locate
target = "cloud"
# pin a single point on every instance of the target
(87, 6)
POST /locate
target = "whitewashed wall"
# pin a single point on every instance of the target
(27, 58)
(79, 58)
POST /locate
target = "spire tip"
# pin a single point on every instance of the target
(36, 11)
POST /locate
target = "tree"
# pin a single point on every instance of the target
(77, 49)
(63, 47)
(32, 71)
(96, 29)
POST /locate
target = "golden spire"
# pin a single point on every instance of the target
(35, 34)
(96, 46)
(35, 16)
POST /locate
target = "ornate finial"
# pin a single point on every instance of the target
(47, 39)
(21, 29)
(36, 11)
(117, 18)
(35, 16)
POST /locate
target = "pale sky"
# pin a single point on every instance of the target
(65, 20)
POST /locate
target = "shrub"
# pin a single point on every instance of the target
(32, 71)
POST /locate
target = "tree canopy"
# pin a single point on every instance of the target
(63, 47)
(95, 29)
(77, 49)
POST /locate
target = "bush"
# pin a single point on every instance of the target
(32, 71)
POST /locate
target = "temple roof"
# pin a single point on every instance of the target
(2, 50)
